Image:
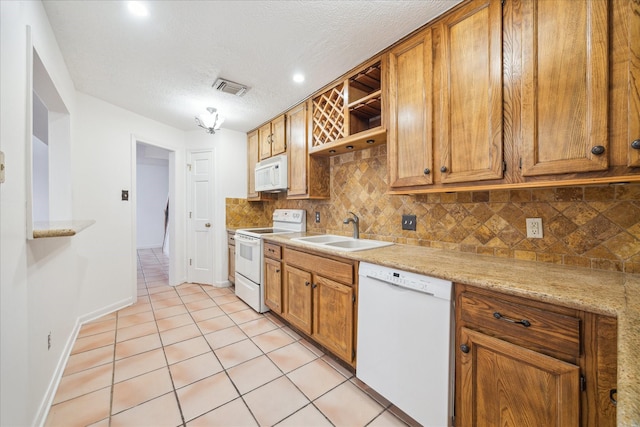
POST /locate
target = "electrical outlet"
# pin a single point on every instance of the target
(317, 217)
(1, 167)
(534, 228)
(409, 222)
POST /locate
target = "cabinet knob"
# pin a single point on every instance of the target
(307, 283)
(636, 144)
(277, 270)
(613, 396)
(208, 225)
(443, 169)
(464, 348)
(597, 150)
(427, 171)
(315, 285)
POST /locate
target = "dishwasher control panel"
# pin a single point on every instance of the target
(430, 285)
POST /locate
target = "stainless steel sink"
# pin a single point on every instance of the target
(341, 243)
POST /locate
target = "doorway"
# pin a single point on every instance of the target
(154, 200)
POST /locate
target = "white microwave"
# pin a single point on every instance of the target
(271, 174)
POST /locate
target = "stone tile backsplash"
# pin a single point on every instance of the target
(593, 226)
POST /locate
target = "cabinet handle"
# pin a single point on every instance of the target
(597, 150)
(427, 171)
(636, 144)
(464, 348)
(523, 322)
(307, 283)
(613, 394)
(277, 270)
(443, 169)
(314, 285)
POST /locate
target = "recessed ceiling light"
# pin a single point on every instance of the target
(138, 8)
(298, 77)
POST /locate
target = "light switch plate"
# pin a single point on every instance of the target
(534, 228)
(1, 167)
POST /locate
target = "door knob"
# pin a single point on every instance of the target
(207, 225)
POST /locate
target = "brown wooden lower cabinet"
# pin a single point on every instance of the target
(231, 251)
(521, 362)
(316, 295)
(505, 384)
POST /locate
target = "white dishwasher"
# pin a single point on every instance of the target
(405, 340)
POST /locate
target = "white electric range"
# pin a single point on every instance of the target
(249, 254)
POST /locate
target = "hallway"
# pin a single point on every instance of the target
(198, 356)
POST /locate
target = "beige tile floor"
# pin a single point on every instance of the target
(198, 356)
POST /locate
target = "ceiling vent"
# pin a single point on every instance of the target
(227, 86)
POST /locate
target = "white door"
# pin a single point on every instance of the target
(200, 266)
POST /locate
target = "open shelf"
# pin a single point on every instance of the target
(345, 111)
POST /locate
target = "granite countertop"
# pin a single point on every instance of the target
(45, 229)
(609, 293)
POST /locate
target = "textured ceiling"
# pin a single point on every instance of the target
(163, 66)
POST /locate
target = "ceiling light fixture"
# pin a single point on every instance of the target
(210, 121)
(298, 78)
(138, 9)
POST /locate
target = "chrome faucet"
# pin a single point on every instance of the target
(354, 220)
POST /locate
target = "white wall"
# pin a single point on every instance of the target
(37, 279)
(49, 285)
(151, 201)
(105, 138)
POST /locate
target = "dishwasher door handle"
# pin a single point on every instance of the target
(399, 286)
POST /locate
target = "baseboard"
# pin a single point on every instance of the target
(45, 405)
(222, 284)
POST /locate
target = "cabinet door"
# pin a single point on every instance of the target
(505, 384)
(469, 80)
(297, 138)
(232, 264)
(410, 132)
(333, 316)
(265, 137)
(565, 86)
(633, 79)
(252, 159)
(273, 284)
(278, 139)
(297, 305)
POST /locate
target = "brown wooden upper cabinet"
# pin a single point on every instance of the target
(410, 129)
(468, 93)
(517, 94)
(445, 100)
(580, 96)
(253, 158)
(308, 176)
(272, 138)
(565, 87)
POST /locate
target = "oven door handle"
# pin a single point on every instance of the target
(249, 241)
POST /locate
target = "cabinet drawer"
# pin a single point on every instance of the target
(537, 329)
(336, 270)
(272, 251)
